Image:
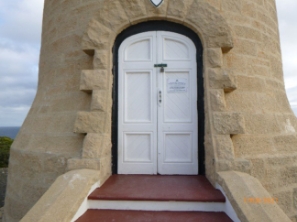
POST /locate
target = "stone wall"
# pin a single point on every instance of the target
(249, 125)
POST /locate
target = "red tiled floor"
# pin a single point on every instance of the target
(150, 216)
(158, 188)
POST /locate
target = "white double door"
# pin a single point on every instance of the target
(157, 110)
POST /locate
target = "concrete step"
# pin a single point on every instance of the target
(156, 198)
(151, 216)
(158, 188)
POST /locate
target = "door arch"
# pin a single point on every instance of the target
(173, 28)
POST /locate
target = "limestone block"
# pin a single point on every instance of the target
(228, 123)
(245, 101)
(285, 200)
(295, 198)
(156, 12)
(135, 10)
(219, 79)
(248, 33)
(250, 145)
(101, 101)
(241, 186)
(113, 16)
(258, 168)
(250, 84)
(249, 9)
(77, 164)
(208, 21)
(286, 143)
(224, 147)
(237, 63)
(215, 57)
(279, 160)
(243, 165)
(224, 165)
(261, 123)
(282, 101)
(288, 175)
(178, 9)
(62, 200)
(101, 59)
(231, 6)
(105, 167)
(245, 47)
(246, 145)
(217, 100)
(96, 145)
(92, 122)
(97, 36)
(93, 80)
(215, 3)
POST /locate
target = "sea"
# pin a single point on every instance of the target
(10, 132)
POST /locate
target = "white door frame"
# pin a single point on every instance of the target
(148, 66)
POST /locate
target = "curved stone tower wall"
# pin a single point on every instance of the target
(249, 127)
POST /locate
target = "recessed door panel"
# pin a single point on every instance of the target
(157, 116)
(178, 148)
(140, 50)
(138, 148)
(174, 49)
(138, 96)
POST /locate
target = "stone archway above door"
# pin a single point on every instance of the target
(107, 23)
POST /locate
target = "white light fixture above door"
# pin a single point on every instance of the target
(156, 2)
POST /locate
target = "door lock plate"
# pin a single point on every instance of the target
(161, 66)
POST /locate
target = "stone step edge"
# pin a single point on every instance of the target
(156, 205)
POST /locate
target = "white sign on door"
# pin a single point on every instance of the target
(177, 85)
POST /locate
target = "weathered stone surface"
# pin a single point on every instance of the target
(77, 164)
(229, 123)
(285, 200)
(112, 15)
(250, 84)
(101, 59)
(93, 80)
(105, 169)
(178, 9)
(224, 147)
(217, 99)
(215, 57)
(239, 187)
(91, 39)
(92, 122)
(207, 19)
(135, 10)
(224, 165)
(242, 165)
(64, 197)
(286, 143)
(258, 168)
(249, 145)
(261, 123)
(222, 79)
(101, 100)
(96, 145)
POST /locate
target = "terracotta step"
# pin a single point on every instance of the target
(158, 188)
(151, 216)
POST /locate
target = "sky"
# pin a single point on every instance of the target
(20, 31)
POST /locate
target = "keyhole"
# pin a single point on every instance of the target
(162, 69)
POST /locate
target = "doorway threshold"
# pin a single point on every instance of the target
(158, 188)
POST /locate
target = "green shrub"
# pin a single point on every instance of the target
(5, 143)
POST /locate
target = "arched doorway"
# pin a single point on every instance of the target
(163, 126)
